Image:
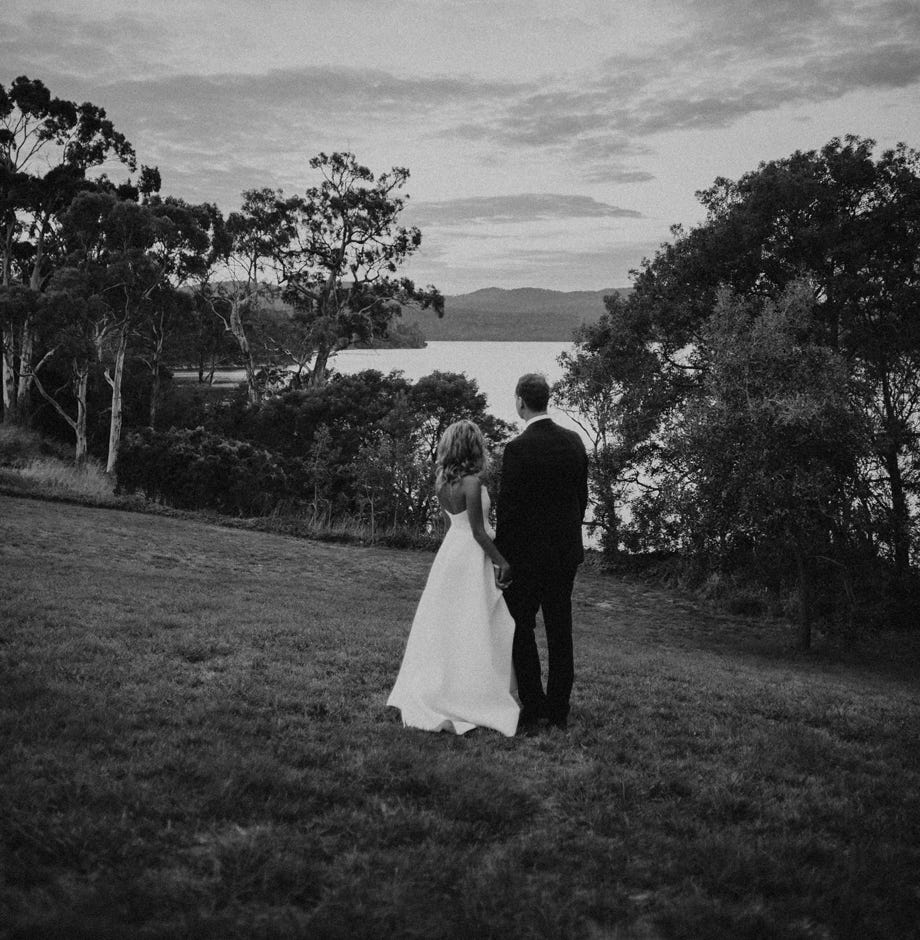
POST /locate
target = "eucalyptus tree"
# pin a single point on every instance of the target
(129, 255)
(180, 247)
(74, 320)
(340, 264)
(245, 249)
(201, 340)
(333, 254)
(47, 146)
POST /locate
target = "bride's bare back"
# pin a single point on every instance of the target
(466, 495)
(452, 495)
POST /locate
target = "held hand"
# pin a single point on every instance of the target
(502, 575)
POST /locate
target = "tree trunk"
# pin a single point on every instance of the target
(115, 381)
(82, 384)
(159, 343)
(7, 252)
(900, 510)
(8, 352)
(239, 332)
(26, 351)
(35, 277)
(804, 638)
(155, 394)
(10, 402)
(27, 335)
(900, 514)
(318, 372)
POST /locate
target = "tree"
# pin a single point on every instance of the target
(851, 226)
(439, 399)
(322, 458)
(756, 467)
(73, 327)
(180, 248)
(848, 225)
(408, 438)
(332, 255)
(338, 268)
(608, 380)
(245, 248)
(202, 341)
(126, 253)
(47, 145)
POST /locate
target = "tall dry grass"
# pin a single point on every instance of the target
(32, 464)
(58, 479)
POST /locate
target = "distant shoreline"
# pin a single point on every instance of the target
(509, 316)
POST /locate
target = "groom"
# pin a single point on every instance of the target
(541, 504)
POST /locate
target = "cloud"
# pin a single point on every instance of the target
(613, 173)
(195, 126)
(43, 44)
(598, 120)
(524, 207)
(566, 269)
(720, 61)
(730, 59)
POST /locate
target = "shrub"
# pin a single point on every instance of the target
(194, 469)
(20, 446)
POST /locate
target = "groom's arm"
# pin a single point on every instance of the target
(583, 478)
(509, 493)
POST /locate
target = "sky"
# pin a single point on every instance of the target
(551, 143)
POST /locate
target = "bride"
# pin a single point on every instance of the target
(456, 672)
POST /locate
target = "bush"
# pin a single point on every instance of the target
(194, 469)
(20, 446)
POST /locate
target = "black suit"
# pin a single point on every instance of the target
(541, 505)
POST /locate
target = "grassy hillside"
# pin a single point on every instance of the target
(522, 314)
(196, 745)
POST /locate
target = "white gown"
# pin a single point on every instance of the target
(456, 672)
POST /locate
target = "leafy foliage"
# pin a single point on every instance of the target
(333, 253)
(785, 413)
(197, 469)
(359, 446)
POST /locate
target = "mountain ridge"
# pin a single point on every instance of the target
(511, 314)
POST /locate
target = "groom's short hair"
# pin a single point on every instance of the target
(533, 389)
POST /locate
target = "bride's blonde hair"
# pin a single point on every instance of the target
(461, 452)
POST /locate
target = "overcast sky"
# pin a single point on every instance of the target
(551, 143)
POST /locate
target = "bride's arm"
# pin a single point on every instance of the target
(472, 492)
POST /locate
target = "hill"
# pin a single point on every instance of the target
(525, 313)
(494, 313)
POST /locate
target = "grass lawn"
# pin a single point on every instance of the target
(195, 744)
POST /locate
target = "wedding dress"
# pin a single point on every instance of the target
(456, 672)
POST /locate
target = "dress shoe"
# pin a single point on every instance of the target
(529, 728)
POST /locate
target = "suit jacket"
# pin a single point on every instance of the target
(542, 498)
